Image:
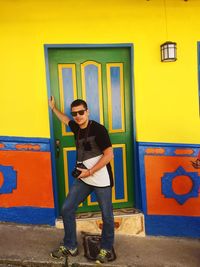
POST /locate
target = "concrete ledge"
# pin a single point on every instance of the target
(125, 223)
(30, 246)
(29, 263)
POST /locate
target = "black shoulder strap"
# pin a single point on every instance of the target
(85, 139)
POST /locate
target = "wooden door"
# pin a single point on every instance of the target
(102, 77)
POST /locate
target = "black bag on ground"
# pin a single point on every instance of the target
(91, 244)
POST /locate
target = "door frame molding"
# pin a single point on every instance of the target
(137, 194)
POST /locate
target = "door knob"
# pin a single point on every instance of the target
(57, 148)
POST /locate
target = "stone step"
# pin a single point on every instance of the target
(127, 221)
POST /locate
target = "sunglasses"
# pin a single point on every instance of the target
(80, 112)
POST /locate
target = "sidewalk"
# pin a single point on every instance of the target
(30, 246)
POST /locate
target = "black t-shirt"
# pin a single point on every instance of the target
(90, 143)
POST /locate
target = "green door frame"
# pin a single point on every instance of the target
(52, 141)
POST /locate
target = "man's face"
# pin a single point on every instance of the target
(80, 115)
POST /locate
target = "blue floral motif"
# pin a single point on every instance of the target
(9, 179)
(167, 189)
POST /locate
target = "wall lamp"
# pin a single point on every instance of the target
(168, 52)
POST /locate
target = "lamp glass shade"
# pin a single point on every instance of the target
(168, 52)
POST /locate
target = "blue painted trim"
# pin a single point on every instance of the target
(87, 45)
(52, 141)
(29, 215)
(167, 144)
(11, 142)
(12, 146)
(142, 181)
(24, 139)
(137, 186)
(181, 226)
(169, 149)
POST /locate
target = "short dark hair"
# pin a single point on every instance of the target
(79, 102)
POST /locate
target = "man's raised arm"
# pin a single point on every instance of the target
(60, 115)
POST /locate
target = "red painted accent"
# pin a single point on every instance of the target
(27, 147)
(182, 184)
(34, 179)
(184, 151)
(199, 155)
(2, 145)
(100, 226)
(1, 179)
(157, 203)
(155, 151)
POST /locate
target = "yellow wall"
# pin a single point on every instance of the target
(166, 94)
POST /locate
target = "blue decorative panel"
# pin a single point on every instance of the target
(9, 179)
(119, 173)
(116, 98)
(91, 85)
(92, 91)
(167, 189)
(71, 162)
(67, 86)
(115, 88)
(68, 91)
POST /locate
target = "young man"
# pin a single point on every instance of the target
(94, 150)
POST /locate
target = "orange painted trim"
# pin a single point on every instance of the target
(155, 151)
(2, 145)
(184, 151)
(27, 147)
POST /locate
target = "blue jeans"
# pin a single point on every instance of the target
(77, 194)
